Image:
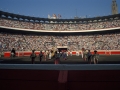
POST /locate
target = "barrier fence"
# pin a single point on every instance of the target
(100, 52)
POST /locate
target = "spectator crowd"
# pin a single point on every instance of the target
(73, 42)
(59, 26)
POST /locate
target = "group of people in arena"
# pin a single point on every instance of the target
(88, 56)
(60, 26)
(48, 55)
(57, 55)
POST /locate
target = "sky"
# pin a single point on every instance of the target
(66, 8)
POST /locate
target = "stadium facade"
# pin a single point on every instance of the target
(78, 28)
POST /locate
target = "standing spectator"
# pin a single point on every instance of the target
(70, 53)
(67, 53)
(85, 55)
(57, 57)
(64, 55)
(45, 55)
(13, 52)
(82, 52)
(33, 56)
(95, 57)
(49, 54)
(89, 56)
(40, 56)
(77, 53)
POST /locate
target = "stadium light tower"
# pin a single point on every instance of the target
(114, 7)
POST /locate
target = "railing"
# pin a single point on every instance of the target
(61, 66)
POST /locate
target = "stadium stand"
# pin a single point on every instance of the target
(60, 26)
(9, 20)
(29, 42)
(74, 41)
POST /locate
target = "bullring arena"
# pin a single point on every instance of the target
(106, 57)
(27, 33)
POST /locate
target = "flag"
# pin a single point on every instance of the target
(59, 16)
(54, 16)
(49, 16)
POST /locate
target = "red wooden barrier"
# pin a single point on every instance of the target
(101, 52)
(49, 80)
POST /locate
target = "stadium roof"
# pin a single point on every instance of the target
(12, 16)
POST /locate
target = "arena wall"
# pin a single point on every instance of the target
(59, 77)
(100, 52)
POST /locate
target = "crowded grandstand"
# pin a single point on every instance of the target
(74, 42)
